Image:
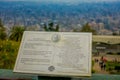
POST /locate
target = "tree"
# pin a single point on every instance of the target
(16, 33)
(51, 27)
(87, 28)
(76, 30)
(3, 34)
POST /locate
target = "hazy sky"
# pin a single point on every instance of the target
(63, 0)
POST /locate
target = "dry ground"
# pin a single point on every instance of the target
(96, 66)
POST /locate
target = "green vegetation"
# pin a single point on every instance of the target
(8, 53)
(16, 33)
(118, 53)
(113, 67)
(111, 53)
(86, 28)
(51, 27)
(9, 46)
(3, 34)
(93, 71)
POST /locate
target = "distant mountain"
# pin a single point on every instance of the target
(29, 13)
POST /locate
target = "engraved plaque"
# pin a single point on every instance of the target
(55, 53)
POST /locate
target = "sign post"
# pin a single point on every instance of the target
(55, 54)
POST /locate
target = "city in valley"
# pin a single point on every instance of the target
(103, 16)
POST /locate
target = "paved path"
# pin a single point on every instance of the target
(97, 69)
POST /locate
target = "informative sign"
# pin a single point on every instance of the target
(55, 53)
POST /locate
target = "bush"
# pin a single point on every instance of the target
(118, 53)
(113, 66)
(117, 68)
(93, 71)
(110, 53)
(8, 53)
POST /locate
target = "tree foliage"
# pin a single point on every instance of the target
(51, 27)
(3, 34)
(87, 28)
(16, 33)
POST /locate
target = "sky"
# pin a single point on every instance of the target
(64, 0)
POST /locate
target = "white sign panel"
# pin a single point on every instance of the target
(55, 53)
